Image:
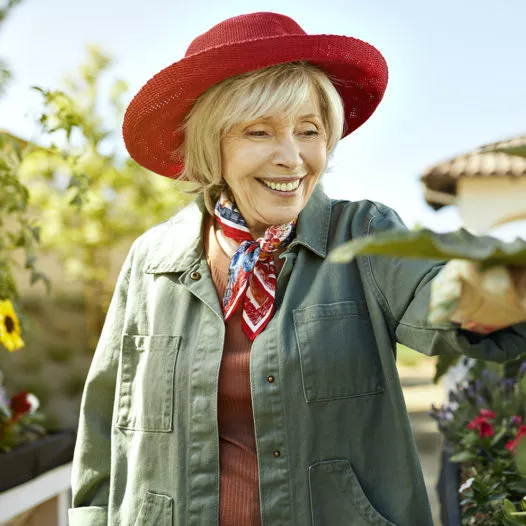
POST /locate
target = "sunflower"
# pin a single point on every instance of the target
(9, 327)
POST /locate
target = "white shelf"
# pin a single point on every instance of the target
(53, 483)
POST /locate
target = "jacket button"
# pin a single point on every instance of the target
(195, 276)
(270, 379)
(276, 453)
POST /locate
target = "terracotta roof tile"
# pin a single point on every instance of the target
(483, 162)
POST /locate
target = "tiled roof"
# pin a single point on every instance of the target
(483, 162)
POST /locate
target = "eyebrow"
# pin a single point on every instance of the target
(308, 116)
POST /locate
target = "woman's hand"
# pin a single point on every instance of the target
(479, 300)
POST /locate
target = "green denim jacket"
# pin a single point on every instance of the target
(334, 442)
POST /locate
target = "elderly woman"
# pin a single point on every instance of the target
(241, 378)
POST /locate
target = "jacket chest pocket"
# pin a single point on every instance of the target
(337, 350)
(146, 382)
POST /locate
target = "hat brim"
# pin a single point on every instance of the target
(357, 69)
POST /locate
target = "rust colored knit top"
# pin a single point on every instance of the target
(239, 487)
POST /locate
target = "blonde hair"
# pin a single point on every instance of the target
(245, 97)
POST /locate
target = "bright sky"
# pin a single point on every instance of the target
(457, 74)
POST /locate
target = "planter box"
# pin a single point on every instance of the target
(34, 458)
(447, 489)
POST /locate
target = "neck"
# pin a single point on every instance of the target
(257, 233)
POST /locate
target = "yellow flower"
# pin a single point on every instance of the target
(9, 327)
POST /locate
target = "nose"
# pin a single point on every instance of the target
(287, 152)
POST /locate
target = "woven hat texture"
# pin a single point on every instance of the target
(238, 45)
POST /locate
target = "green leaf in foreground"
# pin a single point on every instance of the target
(520, 151)
(426, 244)
(520, 457)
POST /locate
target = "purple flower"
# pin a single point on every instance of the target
(442, 415)
(507, 384)
(481, 401)
(490, 376)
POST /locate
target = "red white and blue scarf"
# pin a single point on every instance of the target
(252, 274)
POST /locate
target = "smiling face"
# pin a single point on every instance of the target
(272, 164)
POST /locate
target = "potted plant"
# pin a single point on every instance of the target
(482, 478)
(27, 448)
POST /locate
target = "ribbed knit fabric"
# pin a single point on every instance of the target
(239, 488)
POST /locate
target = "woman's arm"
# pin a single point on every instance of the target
(403, 288)
(91, 461)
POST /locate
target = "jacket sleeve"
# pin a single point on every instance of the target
(402, 287)
(91, 461)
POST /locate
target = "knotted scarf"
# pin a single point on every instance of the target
(252, 273)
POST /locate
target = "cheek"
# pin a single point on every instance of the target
(318, 159)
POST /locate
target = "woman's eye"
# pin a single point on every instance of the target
(257, 133)
(311, 133)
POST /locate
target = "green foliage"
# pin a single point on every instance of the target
(512, 515)
(88, 195)
(519, 151)
(515, 147)
(484, 423)
(520, 457)
(17, 230)
(444, 362)
(5, 73)
(20, 421)
(426, 244)
(5, 77)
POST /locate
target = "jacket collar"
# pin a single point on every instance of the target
(178, 243)
(313, 223)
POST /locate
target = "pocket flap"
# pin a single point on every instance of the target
(338, 353)
(155, 510)
(147, 382)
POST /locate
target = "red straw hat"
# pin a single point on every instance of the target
(238, 45)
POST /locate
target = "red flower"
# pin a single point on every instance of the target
(512, 444)
(487, 413)
(516, 420)
(20, 405)
(481, 424)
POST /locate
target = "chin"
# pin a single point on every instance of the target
(282, 219)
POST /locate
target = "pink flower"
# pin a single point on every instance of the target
(511, 445)
(481, 424)
(516, 420)
(487, 413)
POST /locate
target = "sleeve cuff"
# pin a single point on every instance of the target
(88, 516)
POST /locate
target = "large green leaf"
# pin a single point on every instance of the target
(513, 150)
(520, 457)
(426, 244)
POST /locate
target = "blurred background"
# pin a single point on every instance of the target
(456, 82)
(456, 76)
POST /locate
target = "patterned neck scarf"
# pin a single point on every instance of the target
(252, 274)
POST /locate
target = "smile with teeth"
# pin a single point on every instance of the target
(282, 187)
